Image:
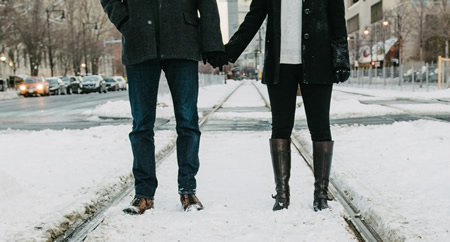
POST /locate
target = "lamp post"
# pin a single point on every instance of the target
(86, 69)
(385, 24)
(50, 55)
(3, 60)
(367, 32)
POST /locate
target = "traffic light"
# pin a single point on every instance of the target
(373, 63)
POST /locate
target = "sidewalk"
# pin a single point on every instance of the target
(9, 94)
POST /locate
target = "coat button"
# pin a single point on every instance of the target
(306, 36)
(307, 11)
(149, 22)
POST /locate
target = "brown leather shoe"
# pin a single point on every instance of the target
(138, 206)
(189, 201)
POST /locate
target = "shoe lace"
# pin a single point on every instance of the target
(136, 201)
(192, 199)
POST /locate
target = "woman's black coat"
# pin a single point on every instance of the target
(325, 47)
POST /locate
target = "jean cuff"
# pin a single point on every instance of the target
(182, 191)
(143, 196)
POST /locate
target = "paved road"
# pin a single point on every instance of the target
(65, 112)
(56, 112)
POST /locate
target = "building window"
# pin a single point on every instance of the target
(353, 24)
(376, 12)
(351, 2)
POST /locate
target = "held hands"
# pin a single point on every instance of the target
(342, 74)
(216, 59)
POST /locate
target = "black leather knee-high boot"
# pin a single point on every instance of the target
(322, 156)
(280, 150)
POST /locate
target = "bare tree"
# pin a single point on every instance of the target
(444, 23)
(95, 26)
(401, 19)
(29, 21)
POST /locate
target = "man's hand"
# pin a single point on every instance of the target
(216, 59)
(342, 75)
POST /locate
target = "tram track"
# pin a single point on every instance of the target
(81, 229)
(362, 230)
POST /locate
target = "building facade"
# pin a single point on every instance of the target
(393, 32)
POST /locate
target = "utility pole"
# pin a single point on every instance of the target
(86, 69)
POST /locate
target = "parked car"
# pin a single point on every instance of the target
(94, 83)
(34, 85)
(73, 84)
(408, 75)
(122, 82)
(432, 74)
(57, 86)
(3, 85)
(112, 84)
(421, 74)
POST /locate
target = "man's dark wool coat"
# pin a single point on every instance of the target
(324, 40)
(183, 34)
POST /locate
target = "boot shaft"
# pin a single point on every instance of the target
(322, 157)
(280, 150)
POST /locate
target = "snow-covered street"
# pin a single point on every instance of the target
(396, 174)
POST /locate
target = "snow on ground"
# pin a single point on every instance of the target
(208, 96)
(8, 94)
(48, 176)
(395, 174)
(235, 183)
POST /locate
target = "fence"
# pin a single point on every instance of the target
(407, 77)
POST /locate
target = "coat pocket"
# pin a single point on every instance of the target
(191, 18)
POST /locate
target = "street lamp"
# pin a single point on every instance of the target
(385, 24)
(367, 32)
(3, 60)
(50, 56)
(84, 45)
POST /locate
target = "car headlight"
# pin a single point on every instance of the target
(23, 88)
(40, 87)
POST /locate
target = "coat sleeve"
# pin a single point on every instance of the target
(247, 30)
(211, 36)
(116, 11)
(338, 34)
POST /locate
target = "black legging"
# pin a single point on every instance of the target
(316, 100)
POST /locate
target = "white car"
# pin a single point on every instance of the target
(122, 82)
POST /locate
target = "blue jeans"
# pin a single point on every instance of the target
(143, 81)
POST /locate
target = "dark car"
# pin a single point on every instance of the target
(94, 83)
(34, 85)
(112, 84)
(3, 85)
(57, 86)
(73, 84)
